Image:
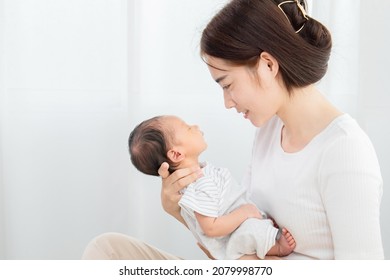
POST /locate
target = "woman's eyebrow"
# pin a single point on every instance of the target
(218, 80)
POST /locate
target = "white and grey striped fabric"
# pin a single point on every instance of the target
(216, 194)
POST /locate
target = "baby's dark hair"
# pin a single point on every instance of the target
(148, 146)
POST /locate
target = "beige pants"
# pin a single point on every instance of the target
(117, 246)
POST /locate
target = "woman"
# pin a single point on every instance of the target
(313, 169)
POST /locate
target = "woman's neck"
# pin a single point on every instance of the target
(305, 114)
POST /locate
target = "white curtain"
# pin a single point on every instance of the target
(77, 75)
(358, 79)
(64, 117)
(2, 215)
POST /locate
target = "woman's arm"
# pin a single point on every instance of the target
(352, 191)
(172, 184)
(226, 224)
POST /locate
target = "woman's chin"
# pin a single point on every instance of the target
(257, 122)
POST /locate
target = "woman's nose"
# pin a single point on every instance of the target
(229, 103)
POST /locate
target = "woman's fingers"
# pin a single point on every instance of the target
(163, 170)
(173, 184)
(183, 177)
(179, 179)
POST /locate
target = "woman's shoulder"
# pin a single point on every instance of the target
(346, 144)
(345, 130)
(346, 125)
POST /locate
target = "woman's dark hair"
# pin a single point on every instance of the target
(243, 29)
(148, 146)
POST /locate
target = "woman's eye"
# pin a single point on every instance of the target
(226, 87)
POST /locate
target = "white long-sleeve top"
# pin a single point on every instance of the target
(327, 195)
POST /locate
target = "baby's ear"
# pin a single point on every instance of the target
(175, 155)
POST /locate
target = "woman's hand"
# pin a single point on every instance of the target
(172, 184)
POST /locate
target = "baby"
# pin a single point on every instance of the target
(215, 207)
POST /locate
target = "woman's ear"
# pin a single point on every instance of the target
(175, 155)
(271, 64)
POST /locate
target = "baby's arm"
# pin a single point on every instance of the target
(226, 224)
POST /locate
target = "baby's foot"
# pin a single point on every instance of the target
(286, 243)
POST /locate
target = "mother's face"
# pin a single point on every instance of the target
(253, 91)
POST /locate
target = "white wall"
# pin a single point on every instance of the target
(77, 75)
(374, 93)
(2, 64)
(64, 120)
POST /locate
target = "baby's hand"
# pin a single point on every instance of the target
(251, 211)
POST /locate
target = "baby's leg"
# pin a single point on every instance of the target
(284, 245)
(253, 236)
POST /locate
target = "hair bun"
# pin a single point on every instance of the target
(243, 29)
(308, 28)
(316, 34)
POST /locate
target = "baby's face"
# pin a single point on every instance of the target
(188, 136)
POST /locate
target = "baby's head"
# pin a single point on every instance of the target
(164, 139)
